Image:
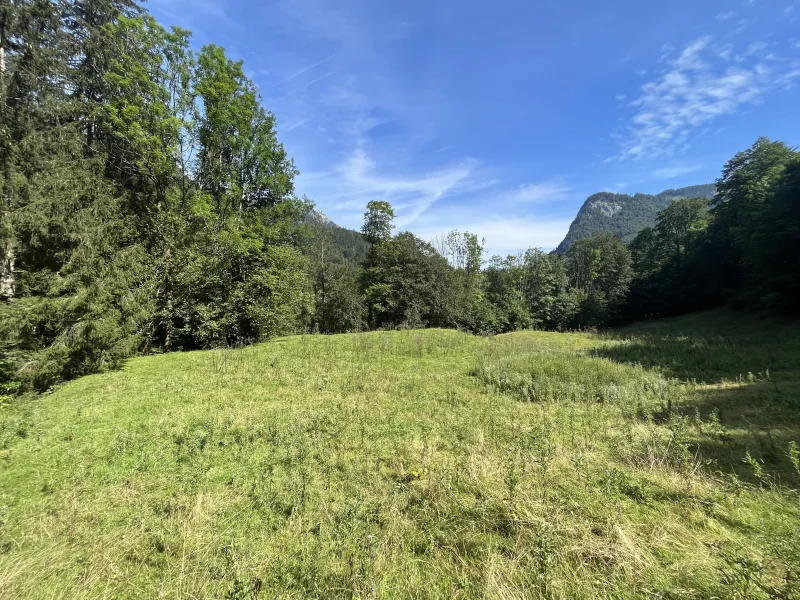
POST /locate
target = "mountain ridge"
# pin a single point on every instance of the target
(624, 214)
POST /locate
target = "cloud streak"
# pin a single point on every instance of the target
(357, 180)
(536, 193)
(699, 86)
(306, 69)
(673, 172)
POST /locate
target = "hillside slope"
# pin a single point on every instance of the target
(341, 245)
(624, 215)
(416, 464)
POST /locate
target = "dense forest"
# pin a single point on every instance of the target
(147, 206)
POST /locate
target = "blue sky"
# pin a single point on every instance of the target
(501, 117)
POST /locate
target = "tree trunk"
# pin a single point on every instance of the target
(7, 257)
(8, 282)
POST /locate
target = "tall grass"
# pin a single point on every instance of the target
(419, 464)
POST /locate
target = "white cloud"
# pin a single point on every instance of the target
(726, 16)
(415, 198)
(755, 49)
(696, 89)
(741, 25)
(725, 52)
(537, 221)
(677, 171)
(620, 97)
(536, 193)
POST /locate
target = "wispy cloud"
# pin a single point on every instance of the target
(536, 193)
(726, 16)
(316, 79)
(296, 125)
(416, 198)
(698, 87)
(357, 180)
(542, 213)
(673, 172)
(306, 68)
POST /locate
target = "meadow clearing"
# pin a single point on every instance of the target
(656, 461)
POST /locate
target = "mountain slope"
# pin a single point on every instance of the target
(341, 246)
(623, 214)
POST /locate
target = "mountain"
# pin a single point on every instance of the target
(316, 217)
(340, 245)
(623, 214)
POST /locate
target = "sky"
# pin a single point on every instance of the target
(500, 117)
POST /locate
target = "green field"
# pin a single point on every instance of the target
(655, 462)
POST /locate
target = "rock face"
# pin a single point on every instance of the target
(321, 218)
(608, 208)
(623, 214)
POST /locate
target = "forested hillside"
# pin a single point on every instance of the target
(328, 242)
(624, 215)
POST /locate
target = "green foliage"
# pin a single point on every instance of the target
(462, 250)
(743, 251)
(679, 225)
(600, 270)
(146, 200)
(406, 282)
(530, 290)
(327, 243)
(241, 291)
(340, 304)
(378, 220)
(505, 290)
(772, 256)
(744, 191)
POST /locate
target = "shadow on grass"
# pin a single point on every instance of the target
(711, 347)
(743, 385)
(703, 359)
(760, 418)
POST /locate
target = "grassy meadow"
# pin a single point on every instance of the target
(660, 461)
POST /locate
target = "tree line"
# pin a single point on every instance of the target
(147, 205)
(741, 248)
